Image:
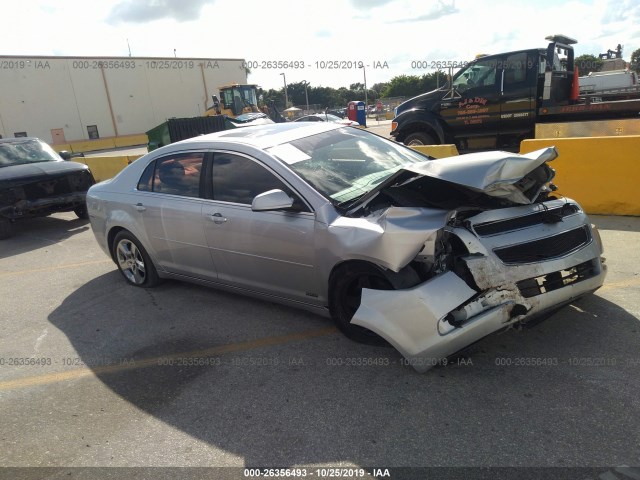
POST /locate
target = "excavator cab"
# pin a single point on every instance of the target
(235, 100)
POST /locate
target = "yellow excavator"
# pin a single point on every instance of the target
(235, 100)
(238, 108)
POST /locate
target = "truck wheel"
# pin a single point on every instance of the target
(6, 228)
(419, 138)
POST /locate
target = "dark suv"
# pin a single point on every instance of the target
(35, 181)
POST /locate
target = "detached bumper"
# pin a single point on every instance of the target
(437, 318)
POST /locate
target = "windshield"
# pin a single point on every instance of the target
(19, 152)
(345, 164)
(248, 94)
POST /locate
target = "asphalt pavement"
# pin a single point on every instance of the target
(95, 373)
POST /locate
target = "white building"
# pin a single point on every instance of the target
(62, 99)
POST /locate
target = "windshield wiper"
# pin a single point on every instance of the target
(347, 203)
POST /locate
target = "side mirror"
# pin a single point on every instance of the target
(65, 155)
(271, 200)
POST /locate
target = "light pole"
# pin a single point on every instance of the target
(364, 71)
(305, 83)
(286, 97)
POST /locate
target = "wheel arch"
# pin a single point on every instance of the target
(419, 121)
(406, 277)
(111, 235)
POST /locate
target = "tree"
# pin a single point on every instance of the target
(635, 61)
(379, 88)
(588, 63)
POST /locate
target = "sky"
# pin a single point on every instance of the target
(324, 41)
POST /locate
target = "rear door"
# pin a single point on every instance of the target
(268, 252)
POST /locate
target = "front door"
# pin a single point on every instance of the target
(269, 252)
(519, 79)
(472, 109)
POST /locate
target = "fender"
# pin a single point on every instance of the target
(417, 117)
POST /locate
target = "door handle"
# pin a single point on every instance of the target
(217, 218)
(140, 207)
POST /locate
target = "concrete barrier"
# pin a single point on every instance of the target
(104, 168)
(602, 173)
(437, 151)
(82, 146)
(131, 140)
(61, 147)
(92, 145)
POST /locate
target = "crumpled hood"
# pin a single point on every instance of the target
(503, 175)
(494, 173)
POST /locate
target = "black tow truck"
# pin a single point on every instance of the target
(496, 101)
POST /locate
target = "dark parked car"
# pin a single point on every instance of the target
(35, 181)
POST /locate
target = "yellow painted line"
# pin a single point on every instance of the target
(54, 267)
(159, 361)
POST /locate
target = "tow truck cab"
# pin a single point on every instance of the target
(492, 101)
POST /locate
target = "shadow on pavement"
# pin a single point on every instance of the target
(34, 233)
(494, 408)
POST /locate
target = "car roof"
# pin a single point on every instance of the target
(266, 136)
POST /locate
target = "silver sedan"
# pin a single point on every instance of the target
(427, 255)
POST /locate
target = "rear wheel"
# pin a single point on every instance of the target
(133, 261)
(347, 283)
(6, 228)
(419, 138)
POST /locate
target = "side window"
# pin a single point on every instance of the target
(515, 69)
(239, 180)
(146, 180)
(176, 175)
(481, 74)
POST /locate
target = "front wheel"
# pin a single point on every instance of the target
(133, 261)
(346, 286)
(81, 212)
(419, 138)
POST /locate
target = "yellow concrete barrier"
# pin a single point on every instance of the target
(104, 168)
(601, 173)
(437, 151)
(92, 145)
(61, 147)
(131, 140)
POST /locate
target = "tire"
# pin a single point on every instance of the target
(346, 284)
(81, 212)
(419, 138)
(133, 261)
(6, 228)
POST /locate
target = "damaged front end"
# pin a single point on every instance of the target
(510, 256)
